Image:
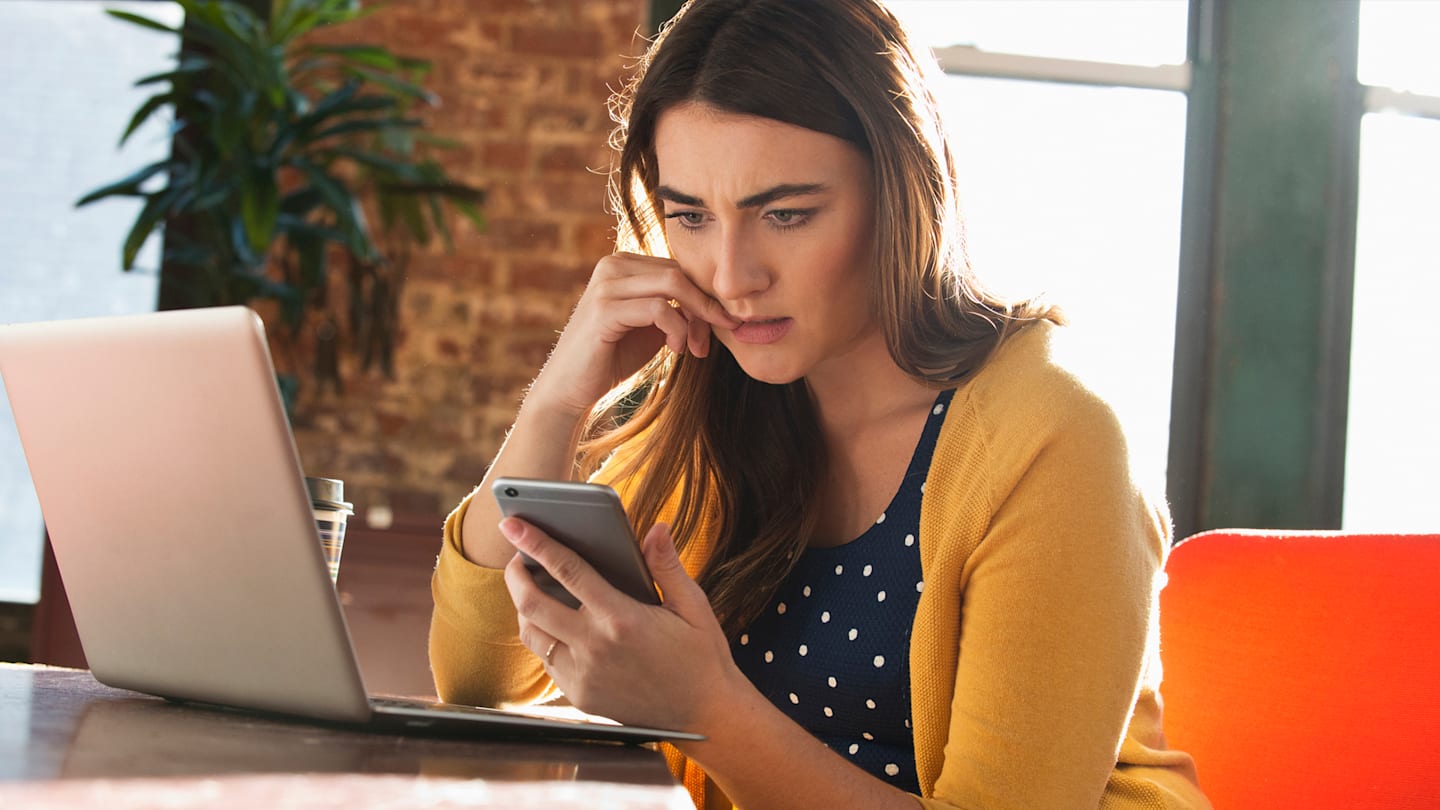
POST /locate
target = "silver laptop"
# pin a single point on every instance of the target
(176, 505)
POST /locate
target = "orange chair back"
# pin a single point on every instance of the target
(1302, 669)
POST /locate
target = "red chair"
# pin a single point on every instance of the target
(1302, 669)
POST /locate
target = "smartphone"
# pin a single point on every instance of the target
(587, 518)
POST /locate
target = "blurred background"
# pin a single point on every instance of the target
(1235, 201)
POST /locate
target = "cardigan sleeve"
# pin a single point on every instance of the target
(1057, 623)
(475, 652)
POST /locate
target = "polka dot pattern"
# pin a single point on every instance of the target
(832, 648)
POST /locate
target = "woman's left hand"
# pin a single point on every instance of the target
(667, 666)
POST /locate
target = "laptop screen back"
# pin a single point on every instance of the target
(176, 507)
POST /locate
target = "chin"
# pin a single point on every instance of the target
(766, 364)
(768, 373)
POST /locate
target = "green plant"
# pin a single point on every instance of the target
(278, 139)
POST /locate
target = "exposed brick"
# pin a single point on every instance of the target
(522, 235)
(567, 280)
(569, 192)
(552, 117)
(467, 467)
(502, 391)
(417, 502)
(572, 159)
(567, 42)
(392, 423)
(506, 155)
(523, 85)
(448, 347)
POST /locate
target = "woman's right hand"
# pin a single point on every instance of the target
(625, 315)
(631, 307)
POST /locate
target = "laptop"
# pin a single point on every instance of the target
(176, 506)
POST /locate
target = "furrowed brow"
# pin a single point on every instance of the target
(780, 192)
(667, 193)
(765, 197)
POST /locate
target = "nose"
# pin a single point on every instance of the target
(740, 270)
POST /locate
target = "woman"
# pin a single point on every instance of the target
(920, 565)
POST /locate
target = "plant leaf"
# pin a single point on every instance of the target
(145, 22)
(143, 114)
(392, 168)
(128, 187)
(188, 66)
(338, 198)
(369, 55)
(366, 125)
(437, 216)
(145, 223)
(259, 208)
(471, 213)
(399, 87)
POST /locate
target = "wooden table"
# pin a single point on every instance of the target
(66, 741)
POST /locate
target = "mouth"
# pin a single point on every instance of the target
(762, 331)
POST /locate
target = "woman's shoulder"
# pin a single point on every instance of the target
(1033, 380)
(1030, 402)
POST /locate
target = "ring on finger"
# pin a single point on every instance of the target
(549, 651)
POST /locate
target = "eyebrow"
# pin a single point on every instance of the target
(765, 197)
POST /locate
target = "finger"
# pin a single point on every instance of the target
(649, 312)
(698, 337)
(568, 569)
(680, 591)
(700, 304)
(669, 282)
(537, 641)
(542, 617)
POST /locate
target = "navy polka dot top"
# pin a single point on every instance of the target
(832, 649)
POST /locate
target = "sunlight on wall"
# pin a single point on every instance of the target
(1392, 477)
(70, 68)
(1074, 191)
(1398, 45)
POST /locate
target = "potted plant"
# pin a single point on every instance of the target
(281, 145)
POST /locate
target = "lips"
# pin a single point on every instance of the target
(762, 330)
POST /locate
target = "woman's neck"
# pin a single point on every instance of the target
(863, 387)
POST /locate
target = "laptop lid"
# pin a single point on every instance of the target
(176, 507)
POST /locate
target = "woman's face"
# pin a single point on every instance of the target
(775, 222)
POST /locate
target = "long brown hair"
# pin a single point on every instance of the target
(746, 457)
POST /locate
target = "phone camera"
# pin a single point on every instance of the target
(511, 491)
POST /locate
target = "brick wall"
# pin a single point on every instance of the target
(524, 85)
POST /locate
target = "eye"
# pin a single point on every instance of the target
(787, 218)
(687, 219)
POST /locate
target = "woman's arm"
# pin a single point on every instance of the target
(623, 318)
(670, 666)
(633, 306)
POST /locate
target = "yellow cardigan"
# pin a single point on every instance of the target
(1034, 657)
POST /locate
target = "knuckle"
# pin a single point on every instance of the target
(621, 626)
(526, 603)
(607, 265)
(674, 277)
(527, 634)
(566, 569)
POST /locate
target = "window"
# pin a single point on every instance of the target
(72, 68)
(1392, 481)
(1069, 121)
